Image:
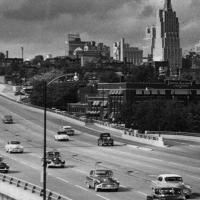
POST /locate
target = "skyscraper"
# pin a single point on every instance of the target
(167, 43)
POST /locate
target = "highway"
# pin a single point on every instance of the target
(134, 168)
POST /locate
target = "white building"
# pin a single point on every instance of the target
(124, 53)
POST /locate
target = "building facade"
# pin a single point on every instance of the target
(167, 42)
(125, 53)
(149, 40)
(114, 95)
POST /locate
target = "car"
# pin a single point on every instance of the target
(14, 147)
(53, 159)
(7, 119)
(3, 166)
(176, 180)
(105, 139)
(166, 193)
(102, 179)
(61, 136)
(69, 130)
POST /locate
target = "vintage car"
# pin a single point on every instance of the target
(166, 193)
(14, 147)
(69, 130)
(102, 179)
(105, 139)
(174, 179)
(61, 136)
(7, 119)
(3, 166)
(53, 159)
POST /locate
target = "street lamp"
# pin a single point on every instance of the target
(45, 85)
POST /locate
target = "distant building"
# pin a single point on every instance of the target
(92, 52)
(74, 42)
(124, 53)
(149, 41)
(197, 48)
(167, 43)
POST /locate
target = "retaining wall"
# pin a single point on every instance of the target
(154, 140)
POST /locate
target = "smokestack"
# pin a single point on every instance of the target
(7, 54)
(22, 49)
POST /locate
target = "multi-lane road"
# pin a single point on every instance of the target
(133, 167)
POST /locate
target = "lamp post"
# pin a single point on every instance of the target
(45, 85)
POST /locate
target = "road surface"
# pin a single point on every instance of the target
(133, 167)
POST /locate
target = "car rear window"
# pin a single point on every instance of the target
(173, 179)
(14, 142)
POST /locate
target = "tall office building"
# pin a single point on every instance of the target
(167, 43)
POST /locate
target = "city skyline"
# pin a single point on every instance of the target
(42, 27)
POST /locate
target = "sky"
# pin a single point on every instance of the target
(41, 26)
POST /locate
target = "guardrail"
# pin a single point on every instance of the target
(31, 187)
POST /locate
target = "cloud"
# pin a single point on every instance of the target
(50, 9)
(43, 25)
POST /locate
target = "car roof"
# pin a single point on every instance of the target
(169, 175)
(14, 141)
(105, 134)
(66, 126)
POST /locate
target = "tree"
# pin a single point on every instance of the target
(109, 77)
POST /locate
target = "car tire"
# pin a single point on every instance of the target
(88, 185)
(96, 188)
(187, 196)
(116, 190)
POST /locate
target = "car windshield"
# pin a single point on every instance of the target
(53, 154)
(173, 179)
(106, 173)
(105, 135)
(14, 142)
(62, 133)
(67, 127)
(170, 191)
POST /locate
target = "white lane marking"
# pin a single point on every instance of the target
(81, 187)
(61, 179)
(102, 197)
(80, 171)
(142, 193)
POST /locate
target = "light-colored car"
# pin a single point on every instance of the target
(14, 147)
(165, 193)
(61, 136)
(176, 180)
(69, 130)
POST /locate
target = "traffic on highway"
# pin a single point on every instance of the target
(89, 164)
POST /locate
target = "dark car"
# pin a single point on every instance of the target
(7, 119)
(105, 139)
(3, 167)
(102, 179)
(53, 159)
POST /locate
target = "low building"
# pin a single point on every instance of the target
(114, 95)
(125, 53)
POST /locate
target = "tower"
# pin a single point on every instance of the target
(167, 42)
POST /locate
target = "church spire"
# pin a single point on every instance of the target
(168, 5)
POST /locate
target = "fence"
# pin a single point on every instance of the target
(31, 187)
